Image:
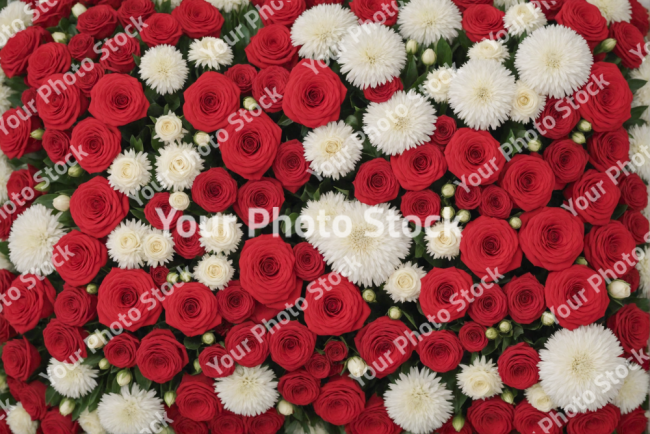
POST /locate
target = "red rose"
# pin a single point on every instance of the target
(15, 139)
(290, 166)
(87, 76)
(482, 21)
(384, 92)
(81, 46)
(268, 88)
(610, 247)
(228, 423)
(565, 290)
(161, 29)
(554, 122)
(441, 292)
(118, 99)
(210, 100)
(373, 419)
(21, 184)
(375, 11)
(490, 305)
(20, 359)
(491, 416)
(249, 148)
(235, 304)
(633, 192)
(284, 13)
(48, 59)
(214, 190)
(340, 401)
(299, 387)
(440, 351)
(160, 357)
(272, 46)
(196, 398)
(259, 202)
(585, 19)
(60, 111)
(529, 180)
(158, 208)
(213, 362)
(633, 278)
(528, 420)
(525, 298)
(131, 11)
(375, 182)
(268, 422)
(472, 337)
(608, 149)
(379, 337)
(96, 208)
(74, 306)
(64, 343)
(490, 245)
(57, 145)
(631, 326)
(611, 106)
(19, 48)
(335, 306)
(184, 425)
(474, 156)
(445, 130)
(121, 350)
(640, 17)
(318, 365)
(464, 4)
(637, 224)
(567, 160)
(98, 21)
(421, 207)
(291, 345)
(192, 308)
(468, 197)
(248, 343)
(418, 168)
(495, 202)
(309, 262)
(187, 243)
(630, 45)
(32, 397)
(198, 18)
(634, 422)
(243, 76)
(159, 274)
(448, 427)
(55, 423)
(32, 299)
(95, 144)
(518, 366)
(125, 300)
(593, 185)
(313, 95)
(121, 59)
(336, 351)
(601, 421)
(81, 260)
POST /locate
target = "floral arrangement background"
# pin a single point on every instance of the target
(321, 216)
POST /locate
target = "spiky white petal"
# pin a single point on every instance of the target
(333, 149)
(248, 391)
(426, 21)
(480, 379)
(72, 380)
(214, 271)
(319, 30)
(228, 5)
(19, 421)
(538, 398)
(210, 52)
(129, 172)
(489, 50)
(527, 104)
(443, 239)
(405, 282)
(220, 233)
(640, 150)
(642, 94)
(178, 165)
(16, 16)
(157, 247)
(634, 390)
(5, 93)
(130, 411)
(643, 266)
(5, 172)
(124, 244)
(317, 216)
(614, 10)
(437, 83)
(89, 422)
(163, 69)
(524, 17)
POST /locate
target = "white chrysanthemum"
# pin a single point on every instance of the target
(5, 172)
(169, 128)
(438, 82)
(129, 172)
(506, 3)
(426, 21)
(124, 244)
(319, 30)
(573, 362)
(228, 5)
(634, 390)
(643, 267)
(31, 241)
(163, 69)
(157, 247)
(210, 52)
(480, 379)
(489, 50)
(405, 283)
(372, 56)
(481, 93)
(538, 398)
(220, 233)
(248, 391)
(72, 380)
(642, 95)
(328, 206)
(16, 16)
(89, 422)
(214, 271)
(443, 239)
(130, 411)
(5, 93)
(19, 421)
(614, 10)
(640, 150)
(523, 17)
(527, 104)
(405, 121)
(418, 401)
(554, 60)
(178, 165)
(332, 150)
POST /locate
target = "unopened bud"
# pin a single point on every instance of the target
(172, 278)
(60, 37)
(515, 222)
(411, 46)
(37, 134)
(124, 377)
(619, 289)
(208, 338)
(186, 276)
(3, 383)
(169, 397)
(491, 333)
(584, 126)
(447, 213)
(78, 9)
(458, 423)
(505, 326)
(429, 57)
(394, 312)
(179, 200)
(464, 216)
(75, 171)
(66, 407)
(548, 319)
(104, 364)
(581, 260)
(352, 121)
(285, 408)
(356, 366)
(369, 296)
(91, 288)
(202, 139)
(250, 103)
(448, 190)
(508, 397)
(95, 340)
(606, 46)
(578, 137)
(42, 186)
(61, 203)
(197, 365)
(534, 145)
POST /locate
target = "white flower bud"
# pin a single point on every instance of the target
(369, 295)
(66, 407)
(411, 46)
(356, 366)
(515, 222)
(505, 326)
(104, 364)
(448, 190)
(60, 37)
(285, 408)
(458, 422)
(548, 319)
(250, 103)
(208, 338)
(78, 9)
(95, 340)
(619, 289)
(394, 312)
(124, 377)
(578, 137)
(202, 139)
(37, 134)
(508, 397)
(170, 398)
(534, 145)
(179, 201)
(464, 216)
(92, 289)
(429, 57)
(491, 333)
(447, 213)
(584, 126)
(61, 203)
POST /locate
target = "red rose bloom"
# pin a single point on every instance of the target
(216, 362)
(490, 305)
(160, 356)
(291, 345)
(464, 4)
(268, 422)
(32, 396)
(228, 423)
(20, 359)
(21, 184)
(495, 202)
(214, 190)
(491, 416)
(118, 99)
(633, 278)
(340, 401)
(482, 21)
(48, 59)
(35, 301)
(285, 14)
(593, 197)
(373, 419)
(192, 308)
(554, 122)
(375, 11)
(440, 351)
(74, 306)
(572, 287)
(98, 21)
(608, 149)
(243, 76)
(82, 258)
(468, 197)
(64, 343)
(121, 60)
(525, 298)
(445, 130)
(159, 212)
(448, 427)
(95, 144)
(184, 425)
(585, 19)
(518, 366)
(55, 423)
(196, 399)
(127, 294)
(313, 95)
(567, 160)
(249, 148)
(528, 420)
(637, 224)
(633, 192)
(18, 49)
(309, 262)
(375, 182)
(269, 86)
(384, 92)
(379, 337)
(299, 387)
(640, 17)
(474, 156)
(631, 326)
(121, 350)
(161, 29)
(60, 111)
(629, 42)
(15, 139)
(421, 207)
(610, 107)
(248, 343)
(601, 421)
(187, 240)
(472, 337)
(198, 18)
(318, 365)
(290, 166)
(441, 292)
(529, 180)
(610, 247)
(634, 422)
(418, 168)
(87, 76)
(235, 304)
(131, 11)
(210, 100)
(336, 351)
(259, 202)
(96, 208)
(335, 306)
(57, 145)
(272, 46)
(159, 274)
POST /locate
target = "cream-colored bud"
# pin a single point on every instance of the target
(448, 190)
(464, 216)
(179, 200)
(104, 364)
(60, 37)
(75, 171)
(581, 260)
(95, 340)
(66, 407)
(202, 139)
(91, 288)
(356, 366)
(37, 134)
(61, 203)
(208, 338)
(394, 312)
(584, 126)
(411, 46)
(369, 296)
(505, 326)
(285, 408)
(458, 422)
(429, 57)
(78, 9)
(508, 397)
(491, 333)
(515, 222)
(250, 103)
(535, 145)
(578, 137)
(619, 289)
(124, 377)
(169, 397)
(548, 319)
(447, 213)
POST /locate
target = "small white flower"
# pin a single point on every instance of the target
(538, 398)
(438, 82)
(220, 233)
(480, 379)
(5, 172)
(179, 201)
(634, 390)
(163, 69)
(643, 266)
(210, 52)
(332, 150)
(639, 144)
(214, 271)
(523, 17)
(405, 282)
(124, 244)
(248, 391)
(5, 93)
(228, 5)
(19, 421)
(169, 128)
(614, 10)
(130, 411)
(15, 17)
(489, 50)
(89, 422)
(178, 165)
(319, 30)
(72, 380)
(158, 247)
(443, 240)
(129, 172)
(527, 104)
(426, 21)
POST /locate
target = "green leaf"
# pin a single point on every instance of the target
(192, 343)
(52, 397)
(443, 51)
(136, 143)
(143, 382)
(284, 121)
(411, 73)
(618, 212)
(66, 219)
(642, 303)
(46, 200)
(636, 84)
(93, 359)
(4, 248)
(139, 214)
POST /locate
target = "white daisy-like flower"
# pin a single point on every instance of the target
(614, 10)
(526, 104)
(220, 233)
(523, 17)
(169, 128)
(178, 165)
(481, 93)
(443, 239)
(639, 150)
(318, 215)
(372, 56)
(5, 172)
(130, 411)
(480, 379)
(72, 380)
(405, 121)
(405, 282)
(16, 16)
(642, 95)
(643, 267)
(31, 241)
(163, 69)
(89, 422)
(634, 390)
(573, 362)
(248, 391)
(19, 421)
(426, 21)
(418, 401)
(129, 172)
(210, 52)
(228, 5)
(157, 247)
(124, 244)
(332, 150)
(319, 30)
(214, 271)
(554, 61)
(437, 83)
(538, 398)
(489, 50)
(505, 4)
(5, 93)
